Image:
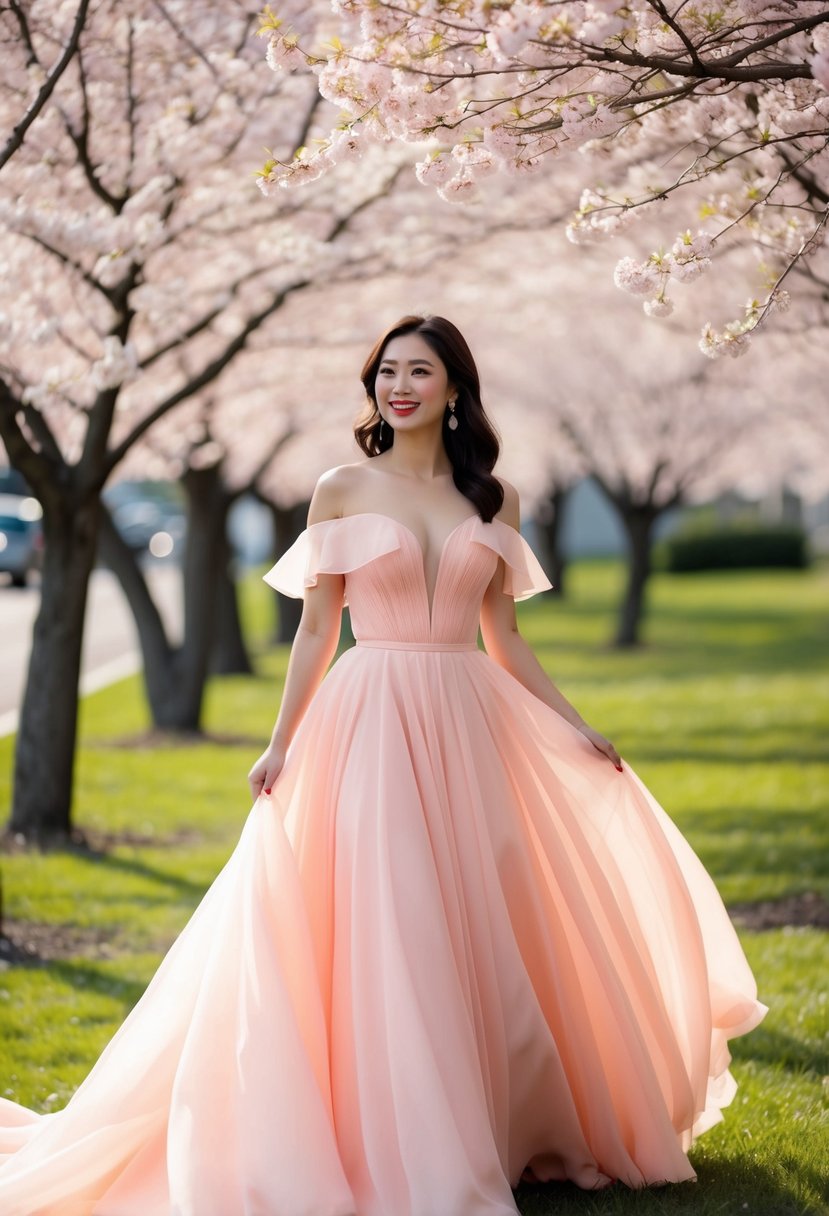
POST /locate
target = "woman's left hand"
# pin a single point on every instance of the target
(602, 745)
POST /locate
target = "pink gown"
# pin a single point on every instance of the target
(453, 948)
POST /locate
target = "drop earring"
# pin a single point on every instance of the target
(380, 432)
(453, 422)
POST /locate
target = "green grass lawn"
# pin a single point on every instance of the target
(724, 714)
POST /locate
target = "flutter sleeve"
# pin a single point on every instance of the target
(523, 574)
(331, 546)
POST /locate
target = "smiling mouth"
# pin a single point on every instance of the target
(404, 407)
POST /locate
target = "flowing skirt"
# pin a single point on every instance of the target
(454, 948)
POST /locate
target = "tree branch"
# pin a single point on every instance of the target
(80, 139)
(122, 561)
(797, 27)
(660, 9)
(714, 69)
(305, 125)
(810, 184)
(43, 433)
(198, 326)
(35, 467)
(25, 32)
(130, 100)
(183, 36)
(202, 378)
(46, 89)
(70, 262)
(264, 463)
(211, 370)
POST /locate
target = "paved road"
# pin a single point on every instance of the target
(110, 649)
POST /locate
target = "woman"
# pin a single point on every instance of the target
(459, 943)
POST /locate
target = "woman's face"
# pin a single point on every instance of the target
(412, 386)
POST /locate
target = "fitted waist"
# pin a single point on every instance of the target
(388, 644)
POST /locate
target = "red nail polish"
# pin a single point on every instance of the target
(267, 791)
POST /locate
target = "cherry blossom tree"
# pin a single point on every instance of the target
(218, 447)
(791, 452)
(326, 332)
(647, 455)
(208, 447)
(658, 432)
(537, 457)
(140, 262)
(724, 102)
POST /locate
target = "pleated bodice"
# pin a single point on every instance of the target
(385, 581)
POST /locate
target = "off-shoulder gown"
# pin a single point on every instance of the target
(454, 947)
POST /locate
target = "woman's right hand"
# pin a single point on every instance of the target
(266, 770)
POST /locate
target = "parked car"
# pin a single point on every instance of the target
(12, 482)
(149, 517)
(150, 527)
(21, 537)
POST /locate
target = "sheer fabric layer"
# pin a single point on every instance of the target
(454, 947)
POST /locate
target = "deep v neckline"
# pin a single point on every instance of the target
(382, 515)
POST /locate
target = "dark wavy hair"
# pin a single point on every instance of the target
(474, 446)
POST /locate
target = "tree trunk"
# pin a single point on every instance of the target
(288, 522)
(158, 656)
(175, 677)
(549, 521)
(45, 753)
(207, 507)
(638, 523)
(229, 655)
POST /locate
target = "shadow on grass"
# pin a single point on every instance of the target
(764, 839)
(723, 1188)
(710, 659)
(187, 887)
(768, 1046)
(712, 639)
(156, 739)
(94, 848)
(653, 753)
(87, 977)
(93, 979)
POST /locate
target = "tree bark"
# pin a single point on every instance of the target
(288, 522)
(638, 523)
(45, 752)
(229, 654)
(550, 520)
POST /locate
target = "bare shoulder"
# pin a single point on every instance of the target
(326, 499)
(331, 491)
(510, 512)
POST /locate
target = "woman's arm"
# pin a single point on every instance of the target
(503, 642)
(312, 650)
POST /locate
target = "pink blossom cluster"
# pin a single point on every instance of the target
(688, 259)
(511, 30)
(734, 338)
(738, 89)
